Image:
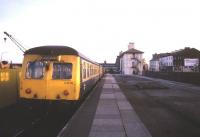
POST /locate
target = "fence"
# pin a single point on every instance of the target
(187, 77)
(9, 86)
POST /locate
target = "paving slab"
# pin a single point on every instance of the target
(107, 128)
(107, 134)
(104, 122)
(111, 116)
(124, 105)
(107, 86)
(107, 96)
(107, 111)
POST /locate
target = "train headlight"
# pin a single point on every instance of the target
(28, 91)
(59, 58)
(65, 92)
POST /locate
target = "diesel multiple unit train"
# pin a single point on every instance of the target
(57, 73)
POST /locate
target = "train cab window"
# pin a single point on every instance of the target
(62, 71)
(35, 70)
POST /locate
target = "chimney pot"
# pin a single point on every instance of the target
(131, 45)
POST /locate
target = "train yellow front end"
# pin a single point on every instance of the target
(50, 76)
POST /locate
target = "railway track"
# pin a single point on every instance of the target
(16, 121)
(20, 121)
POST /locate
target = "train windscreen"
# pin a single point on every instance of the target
(62, 71)
(35, 70)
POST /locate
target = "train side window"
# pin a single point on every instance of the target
(93, 70)
(62, 71)
(88, 70)
(84, 70)
(35, 70)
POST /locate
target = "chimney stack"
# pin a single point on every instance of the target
(131, 45)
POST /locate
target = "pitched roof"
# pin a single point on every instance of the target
(131, 51)
(187, 52)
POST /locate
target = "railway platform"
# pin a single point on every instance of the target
(105, 113)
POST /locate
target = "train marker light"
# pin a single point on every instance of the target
(28, 91)
(58, 97)
(35, 96)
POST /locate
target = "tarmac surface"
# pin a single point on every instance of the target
(136, 106)
(167, 108)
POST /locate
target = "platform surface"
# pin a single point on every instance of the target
(105, 113)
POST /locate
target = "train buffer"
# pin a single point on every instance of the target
(105, 113)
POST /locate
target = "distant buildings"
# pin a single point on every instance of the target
(131, 61)
(109, 67)
(7, 65)
(154, 63)
(184, 60)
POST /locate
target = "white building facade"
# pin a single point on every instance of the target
(154, 65)
(131, 61)
(166, 63)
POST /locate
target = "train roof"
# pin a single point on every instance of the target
(52, 50)
(55, 50)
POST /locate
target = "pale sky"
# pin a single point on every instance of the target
(100, 29)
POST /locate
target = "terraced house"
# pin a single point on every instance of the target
(183, 60)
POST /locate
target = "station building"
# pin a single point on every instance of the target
(131, 61)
